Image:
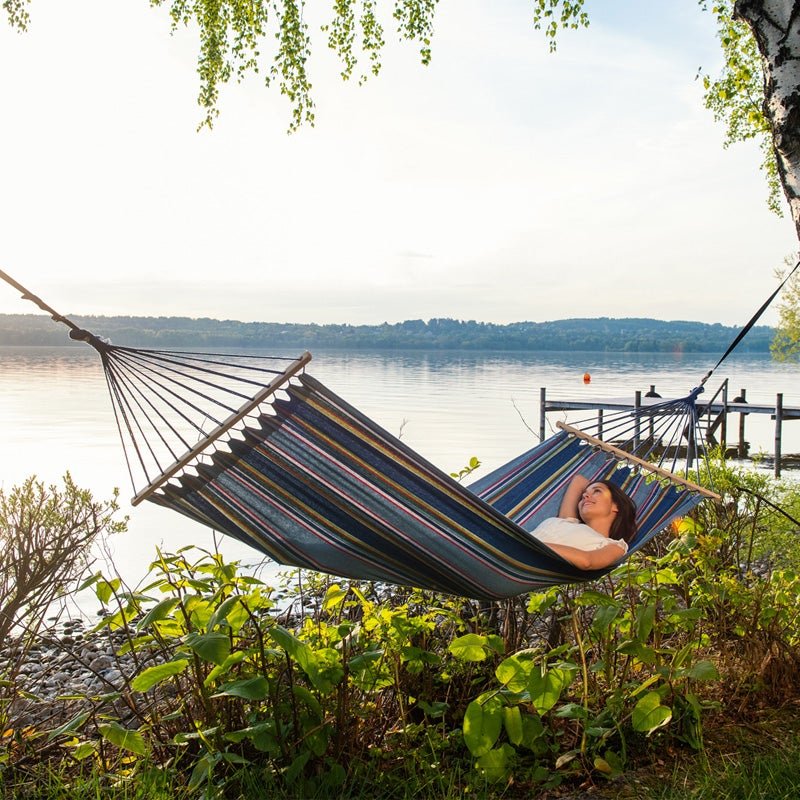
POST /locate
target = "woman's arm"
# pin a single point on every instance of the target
(589, 559)
(569, 502)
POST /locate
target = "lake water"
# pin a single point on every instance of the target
(56, 416)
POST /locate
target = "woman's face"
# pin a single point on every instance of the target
(596, 503)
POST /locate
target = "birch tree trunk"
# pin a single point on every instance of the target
(776, 27)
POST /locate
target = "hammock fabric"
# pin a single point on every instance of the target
(314, 483)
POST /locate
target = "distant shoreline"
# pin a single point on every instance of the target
(602, 334)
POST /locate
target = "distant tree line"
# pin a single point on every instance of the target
(603, 334)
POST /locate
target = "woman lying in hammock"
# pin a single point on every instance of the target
(594, 524)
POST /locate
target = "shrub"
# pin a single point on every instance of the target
(46, 535)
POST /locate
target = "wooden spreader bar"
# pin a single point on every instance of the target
(296, 366)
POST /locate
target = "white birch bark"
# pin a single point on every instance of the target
(776, 27)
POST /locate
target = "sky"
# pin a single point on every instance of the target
(502, 183)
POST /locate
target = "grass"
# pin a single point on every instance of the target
(741, 762)
(46, 783)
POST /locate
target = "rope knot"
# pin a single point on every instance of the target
(81, 335)
(693, 395)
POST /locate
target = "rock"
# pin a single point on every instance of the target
(100, 663)
(113, 676)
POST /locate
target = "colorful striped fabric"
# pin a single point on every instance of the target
(313, 483)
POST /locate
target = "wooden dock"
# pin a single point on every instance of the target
(715, 411)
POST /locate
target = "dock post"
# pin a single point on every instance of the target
(542, 414)
(637, 405)
(600, 424)
(724, 426)
(742, 447)
(778, 426)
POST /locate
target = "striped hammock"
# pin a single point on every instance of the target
(312, 482)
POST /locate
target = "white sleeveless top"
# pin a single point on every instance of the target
(574, 533)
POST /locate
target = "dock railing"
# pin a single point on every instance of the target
(715, 411)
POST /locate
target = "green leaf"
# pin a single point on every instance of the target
(296, 767)
(545, 689)
(369, 672)
(104, 589)
(223, 669)
(169, 628)
(604, 616)
(482, 724)
(261, 735)
(601, 765)
(202, 772)
(572, 711)
(317, 742)
(685, 615)
(495, 764)
(419, 655)
(299, 651)
(158, 612)
(646, 684)
(649, 714)
(591, 597)
(123, 738)
(645, 619)
(496, 643)
(614, 761)
(199, 610)
(513, 673)
(703, 671)
(234, 758)
(539, 602)
(224, 609)
(324, 669)
(610, 764)
(681, 656)
(333, 597)
(213, 647)
(532, 731)
(667, 576)
(248, 689)
(635, 648)
(132, 645)
(90, 581)
(151, 676)
(435, 710)
(308, 698)
(512, 721)
(70, 726)
(470, 647)
(84, 750)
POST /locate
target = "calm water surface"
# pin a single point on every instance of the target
(56, 415)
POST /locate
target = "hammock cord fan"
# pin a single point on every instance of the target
(258, 449)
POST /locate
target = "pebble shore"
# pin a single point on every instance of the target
(66, 671)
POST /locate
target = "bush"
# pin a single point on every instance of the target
(46, 535)
(336, 687)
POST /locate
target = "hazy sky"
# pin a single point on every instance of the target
(502, 183)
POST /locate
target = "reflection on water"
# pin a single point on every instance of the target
(56, 414)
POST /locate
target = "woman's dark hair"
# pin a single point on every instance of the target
(624, 524)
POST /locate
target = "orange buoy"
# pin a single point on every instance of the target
(587, 378)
